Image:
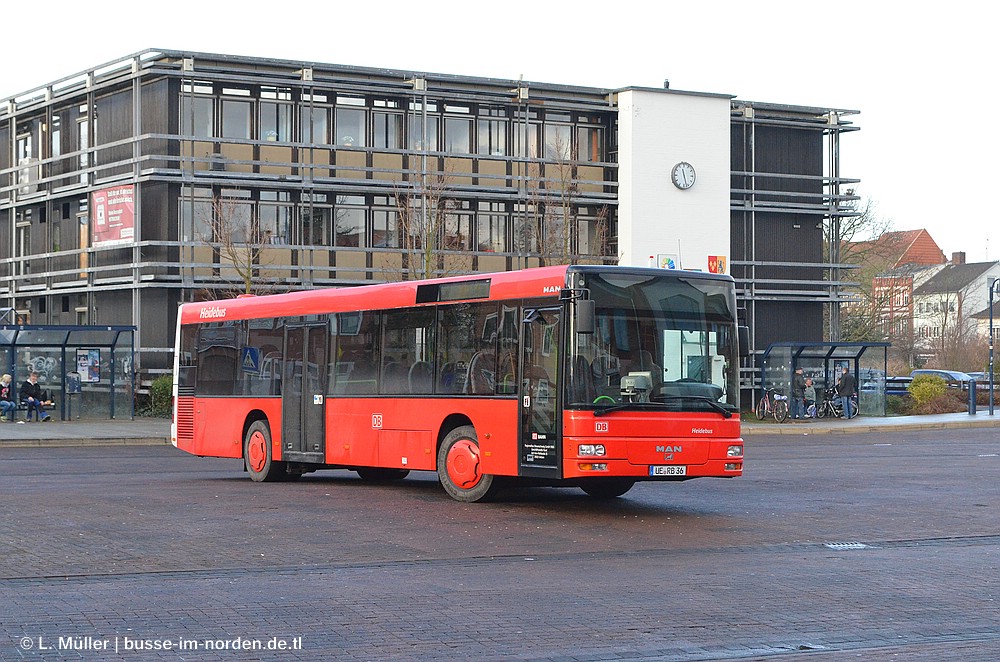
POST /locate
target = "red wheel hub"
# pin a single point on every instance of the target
(463, 464)
(257, 451)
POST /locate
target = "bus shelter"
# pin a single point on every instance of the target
(824, 362)
(87, 371)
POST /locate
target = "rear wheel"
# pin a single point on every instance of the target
(374, 475)
(761, 408)
(607, 488)
(822, 410)
(780, 410)
(459, 467)
(257, 454)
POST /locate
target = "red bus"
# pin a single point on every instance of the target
(587, 376)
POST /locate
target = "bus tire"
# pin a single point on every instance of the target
(257, 454)
(458, 466)
(373, 475)
(607, 488)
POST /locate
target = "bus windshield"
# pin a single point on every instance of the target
(663, 342)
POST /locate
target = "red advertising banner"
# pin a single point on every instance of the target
(112, 216)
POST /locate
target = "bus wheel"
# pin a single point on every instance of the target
(373, 475)
(257, 454)
(458, 466)
(607, 488)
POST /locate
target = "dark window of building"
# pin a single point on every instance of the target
(458, 135)
(275, 121)
(351, 127)
(236, 116)
(388, 129)
(315, 121)
(349, 221)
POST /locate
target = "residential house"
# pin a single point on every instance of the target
(946, 306)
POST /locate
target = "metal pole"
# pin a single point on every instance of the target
(993, 284)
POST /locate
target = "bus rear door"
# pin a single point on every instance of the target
(303, 428)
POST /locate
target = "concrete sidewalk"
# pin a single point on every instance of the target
(862, 424)
(156, 431)
(138, 432)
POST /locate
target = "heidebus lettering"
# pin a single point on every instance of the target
(212, 312)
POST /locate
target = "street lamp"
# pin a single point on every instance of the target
(993, 288)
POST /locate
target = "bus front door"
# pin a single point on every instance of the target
(303, 428)
(540, 351)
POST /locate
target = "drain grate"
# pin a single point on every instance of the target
(841, 546)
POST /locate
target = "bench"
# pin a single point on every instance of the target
(23, 406)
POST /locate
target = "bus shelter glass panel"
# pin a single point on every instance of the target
(871, 385)
(776, 373)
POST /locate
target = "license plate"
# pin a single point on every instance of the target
(668, 470)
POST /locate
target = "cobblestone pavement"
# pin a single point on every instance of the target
(845, 546)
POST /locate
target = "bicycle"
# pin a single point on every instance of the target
(774, 404)
(831, 407)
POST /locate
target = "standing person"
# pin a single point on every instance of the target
(798, 393)
(9, 407)
(809, 399)
(845, 389)
(31, 394)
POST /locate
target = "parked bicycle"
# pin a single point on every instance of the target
(774, 404)
(831, 407)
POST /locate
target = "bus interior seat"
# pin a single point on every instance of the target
(421, 377)
(481, 374)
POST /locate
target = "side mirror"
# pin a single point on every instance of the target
(586, 311)
(743, 338)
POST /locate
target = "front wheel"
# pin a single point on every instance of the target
(257, 454)
(780, 410)
(823, 410)
(607, 488)
(459, 467)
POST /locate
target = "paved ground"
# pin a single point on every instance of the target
(152, 431)
(849, 546)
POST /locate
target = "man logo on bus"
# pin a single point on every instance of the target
(551, 289)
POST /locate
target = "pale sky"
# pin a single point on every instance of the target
(922, 75)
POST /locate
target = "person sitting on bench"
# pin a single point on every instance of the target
(7, 398)
(31, 395)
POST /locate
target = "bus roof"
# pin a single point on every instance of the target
(526, 283)
(539, 282)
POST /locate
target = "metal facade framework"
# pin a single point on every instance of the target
(336, 166)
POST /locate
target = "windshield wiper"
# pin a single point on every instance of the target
(722, 409)
(623, 406)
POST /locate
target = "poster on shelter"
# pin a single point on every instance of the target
(88, 364)
(113, 215)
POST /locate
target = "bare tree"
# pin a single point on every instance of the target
(238, 243)
(431, 232)
(553, 213)
(866, 240)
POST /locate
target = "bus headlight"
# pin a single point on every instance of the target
(591, 449)
(734, 451)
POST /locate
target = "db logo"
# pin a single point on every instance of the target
(600, 426)
(376, 421)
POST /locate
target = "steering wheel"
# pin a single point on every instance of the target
(601, 398)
